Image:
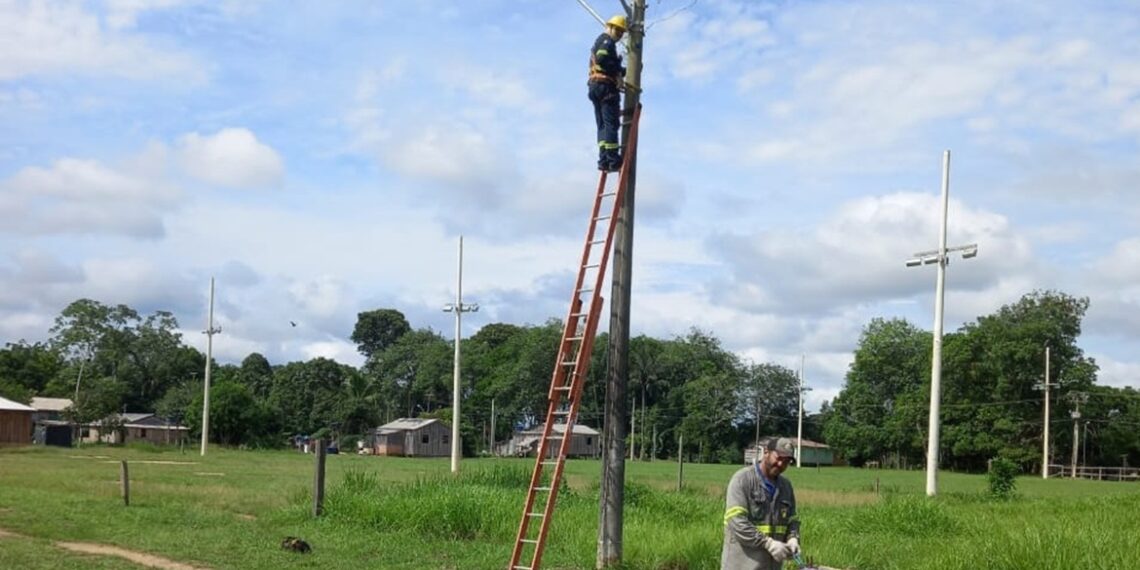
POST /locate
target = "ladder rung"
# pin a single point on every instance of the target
(542, 488)
(586, 290)
(597, 241)
(609, 194)
(568, 363)
(592, 266)
(561, 412)
(550, 463)
(574, 338)
(530, 541)
(554, 437)
(520, 568)
(539, 515)
(602, 218)
(563, 388)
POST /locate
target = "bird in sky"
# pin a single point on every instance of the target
(292, 323)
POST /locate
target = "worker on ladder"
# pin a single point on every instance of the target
(607, 80)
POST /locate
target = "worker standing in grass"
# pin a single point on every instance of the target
(607, 79)
(761, 529)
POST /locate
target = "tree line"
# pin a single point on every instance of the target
(992, 402)
(112, 359)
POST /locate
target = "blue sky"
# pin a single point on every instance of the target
(321, 159)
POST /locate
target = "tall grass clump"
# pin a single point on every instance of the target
(1002, 478)
(902, 516)
(472, 507)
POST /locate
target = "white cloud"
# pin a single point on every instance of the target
(857, 255)
(124, 13)
(82, 196)
(42, 38)
(231, 157)
(1117, 373)
(338, 350)
(320, 297)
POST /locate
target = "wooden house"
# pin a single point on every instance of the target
(15, 423)
(413, 437)
(584, 442)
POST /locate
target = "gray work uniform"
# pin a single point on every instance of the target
(752, 514)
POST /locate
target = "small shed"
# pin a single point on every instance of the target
(15, 423)
(814, 453)
(584, 442)
(413, 437)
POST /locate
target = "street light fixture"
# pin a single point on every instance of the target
(458, 308)
(941, 256)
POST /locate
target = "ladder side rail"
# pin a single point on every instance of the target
(568, 430)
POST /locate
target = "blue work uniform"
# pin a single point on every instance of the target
(606, 74)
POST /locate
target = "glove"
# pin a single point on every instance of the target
(793, 546)
(777, 549)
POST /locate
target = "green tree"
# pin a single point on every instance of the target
(768, 397)
(29, 366)
(256, 373)
(308, 394)
(877, 415)
(990, 369)
(236, 417)
(378, 329)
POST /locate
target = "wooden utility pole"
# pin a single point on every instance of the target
(319, 478)
(613, 456)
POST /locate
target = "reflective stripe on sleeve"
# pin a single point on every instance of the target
(734, 512)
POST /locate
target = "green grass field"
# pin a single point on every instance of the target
(232, 508)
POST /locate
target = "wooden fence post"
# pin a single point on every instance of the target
(319, 480)
(125, 483)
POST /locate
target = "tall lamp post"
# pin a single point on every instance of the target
(941, 256)
(458, 308)
(1045, 445)
(209, 332)
(800, 422)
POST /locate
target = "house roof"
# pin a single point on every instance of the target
(51, 404)
(405, 424)
(10, 406)
(579, 429)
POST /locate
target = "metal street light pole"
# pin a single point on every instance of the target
(800, 422)
(1045, 446)
(941, 257)
(209, 332)
(458, 308)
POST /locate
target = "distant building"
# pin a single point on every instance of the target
(15, 423)
(134, 427)
(815, 453)
(412, 437)
(584, 442)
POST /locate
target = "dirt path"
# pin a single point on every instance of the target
(148, 560)
(142, 558)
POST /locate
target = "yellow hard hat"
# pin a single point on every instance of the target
(617, 22)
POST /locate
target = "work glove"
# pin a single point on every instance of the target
(793, 546)
(777, 549)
